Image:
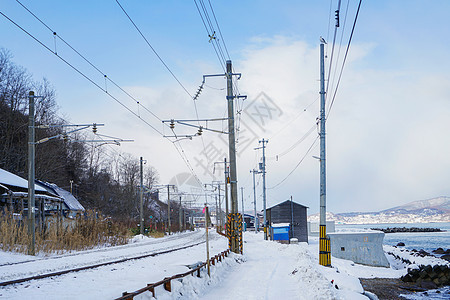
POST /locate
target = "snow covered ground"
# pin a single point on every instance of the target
(267, 270)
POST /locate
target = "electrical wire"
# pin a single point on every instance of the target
(220, 32)
(296, 166)
(340, 46)
(86, 60)
(81, 73)
(180, 151)
(298, 142)
(332, 48)
(162, 61)
(153, 49)
(294, 119)
(211, 36)
(345, 58)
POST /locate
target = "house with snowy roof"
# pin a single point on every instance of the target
(14, 194)
(49, 197)
(71, 206)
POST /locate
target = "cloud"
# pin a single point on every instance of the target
(386, 143)
(386, 134)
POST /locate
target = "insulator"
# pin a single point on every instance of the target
(200, 131)
(65, 138)
(172, 124)
(94, 128)
(336, 14)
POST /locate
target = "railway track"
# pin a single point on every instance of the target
(197, 241)
(110, 249)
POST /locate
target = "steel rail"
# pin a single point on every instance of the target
(108, 249)
(10, 282)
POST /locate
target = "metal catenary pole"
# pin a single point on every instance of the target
(242, 197)
(31, 174)
(235, 247)
(179, 217)
(217, 214)
(263, 170)
(220, 209)
(254, 202)
(168, 208)
(207, 238)
(324, 258)
(226, 186)
(141, 198)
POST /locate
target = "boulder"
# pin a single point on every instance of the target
(439, 251)
(446, 257)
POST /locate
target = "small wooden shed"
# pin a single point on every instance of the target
(293, 213)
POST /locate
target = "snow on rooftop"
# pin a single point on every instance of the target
(11, 179)
(69, 199)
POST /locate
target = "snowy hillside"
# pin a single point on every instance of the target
(423, 211)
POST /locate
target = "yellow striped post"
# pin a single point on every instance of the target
(324, 247)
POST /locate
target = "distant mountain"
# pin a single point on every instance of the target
(440, 204)
(422, 211)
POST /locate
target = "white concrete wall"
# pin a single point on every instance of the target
(313, 228)
(360, 247)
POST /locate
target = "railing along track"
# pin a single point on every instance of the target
(166, 282)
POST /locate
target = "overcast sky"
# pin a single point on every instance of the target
(387, 132)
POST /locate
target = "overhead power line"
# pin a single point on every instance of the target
(179, 150)
(298, 164)
(55, 34)
(170, 71)
(339, 48)
(81, 73)
(345, 57)
(153, 49)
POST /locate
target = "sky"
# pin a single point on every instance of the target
(386, 132)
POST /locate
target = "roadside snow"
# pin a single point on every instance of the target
(267, 270)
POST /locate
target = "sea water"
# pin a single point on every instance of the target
(427, 241)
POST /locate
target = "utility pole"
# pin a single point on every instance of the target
(168, 205)
(324, 253)
(179, 217)
(217, 215)
(220, 209)
(226, 186)
(235, 231)
(263, 171)
(254, 200)
(31, 162)
(242, 196)
(141, 196)
(207, 238)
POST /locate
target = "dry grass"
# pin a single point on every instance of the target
(157, 234)
(86, 232)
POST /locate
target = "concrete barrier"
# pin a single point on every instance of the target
(313, 228)
(364, 248)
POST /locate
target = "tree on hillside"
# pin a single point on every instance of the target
(108, 182)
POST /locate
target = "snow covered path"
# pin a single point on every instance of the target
(253, 279)
(274, 271)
